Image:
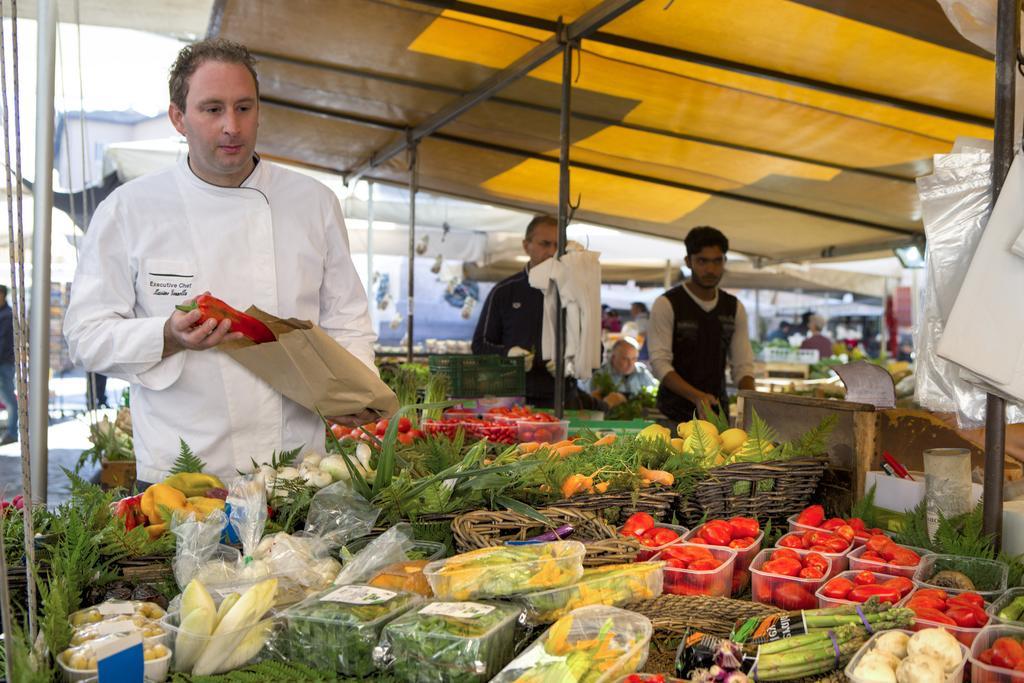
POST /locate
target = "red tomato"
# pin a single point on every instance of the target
(837, 544)
(846, 533)
(740, 580)
(871, 556)
(541, 434)
(741, 543)
(878, 543)
(837, 589)
(779, 553)
(340, 431)
(811, 516)
(832, 524)
(862, 593)
(864, 578)
(793, 596)
(903, 557)
(932, 592)
(817, 561)
(820, 549)
(637, 524)
(811, 573)
(785, 566)
(716, 532)
(417, 434)
(674, 563)
(857, 523)
(696, 539)
(791, 541)
(382, 427)
(986, 656)
(661, 535)
(405, 439)
(744, 527)
(932, 615)
(967, 598)
(900, 583)
(704, 565)
(1010, 650)
(404, 425)
(688, 553)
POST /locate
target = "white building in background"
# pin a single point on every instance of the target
(88, 134)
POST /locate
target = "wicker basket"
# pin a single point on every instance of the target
(485, 528)
(769, 491)
(614, 508)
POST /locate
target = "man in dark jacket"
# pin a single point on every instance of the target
(512, 319)
(7, 394)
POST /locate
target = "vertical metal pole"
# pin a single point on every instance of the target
(39, 326)
(668, 274)
(1007, 40)
(563, 219)
(757, 314)
(414, 180)
(369, 241)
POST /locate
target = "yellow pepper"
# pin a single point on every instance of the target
(160, 496)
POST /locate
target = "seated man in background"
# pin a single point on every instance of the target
(627, 374)
(815, 339)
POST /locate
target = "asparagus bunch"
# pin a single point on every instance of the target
(810, 654)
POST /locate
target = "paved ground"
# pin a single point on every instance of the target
(68, 436)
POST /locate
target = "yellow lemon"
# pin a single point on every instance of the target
(707, 428)
(732, 439)
(679, 445)
(684, 429)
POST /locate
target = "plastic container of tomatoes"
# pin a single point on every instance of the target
(989, 576)
(542, 431)
(649, 551)
(827, 600)
(447, 426)
(716, 582)
(857, 562)
(954, 676)
(795, 526)
(744, 556)
(495, 431)
(784, 592)
(989, 673)
(839, 560)
(965, 634)
(1004, 601)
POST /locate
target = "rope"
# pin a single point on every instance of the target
(16, 249)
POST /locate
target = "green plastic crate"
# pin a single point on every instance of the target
(477, 376)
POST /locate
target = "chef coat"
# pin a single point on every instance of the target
(277, 242)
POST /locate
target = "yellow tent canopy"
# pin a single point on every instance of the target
(793, 126)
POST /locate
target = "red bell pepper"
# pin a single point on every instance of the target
(637, 524)
(968, 599)
(744, 527)
(130, 510)
(212, 308)
(967, 617)
(716, 532)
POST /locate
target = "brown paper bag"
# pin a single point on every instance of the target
(312, 369)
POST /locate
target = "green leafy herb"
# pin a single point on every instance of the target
(813, 442)
(267, 671)
(187, 461)
(760, 443)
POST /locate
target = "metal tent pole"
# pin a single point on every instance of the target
(39, 327)
(369, 240)
(1007, 40)
(563, 219)
(414, 180)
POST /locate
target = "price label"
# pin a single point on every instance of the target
(459, 610)
(359, 595)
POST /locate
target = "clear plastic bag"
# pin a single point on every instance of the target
(955, 203)
(299, 559)
(247, 497)
(337, 514)
(198, 549)
(390, 547)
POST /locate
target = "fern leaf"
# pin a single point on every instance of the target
(760, 443)
(701, 444)
(187, 460)
(285, 458)
(813, 442)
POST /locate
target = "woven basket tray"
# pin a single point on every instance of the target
(771, 490)
(614, 508)
(485, 528)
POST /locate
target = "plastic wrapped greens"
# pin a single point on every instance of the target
(500, 571)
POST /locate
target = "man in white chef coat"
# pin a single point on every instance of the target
(222, 221)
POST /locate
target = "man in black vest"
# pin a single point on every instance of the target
(694, 329)
(512, 318)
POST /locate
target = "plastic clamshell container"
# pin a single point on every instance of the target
(964, 634)
(824, 601)
(337, 629)
(714, 582)
(631, 634)
(647, 552)
(858, 563)
(151, 630)
(995, 574)
(765, 586)
(223, 644)
(744, 556)
(501, 571)
(421, 550)
(550, 432)
(840, 561)
(155, 670)
(986, 673)
(1004, 600)
(495, 431)
(420, 647)
(613, 584)
(954, 676)
(446, 427)
(112, 609)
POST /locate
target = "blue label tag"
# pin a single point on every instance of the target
(121, 660)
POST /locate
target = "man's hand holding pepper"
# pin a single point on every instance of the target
(182, 331)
